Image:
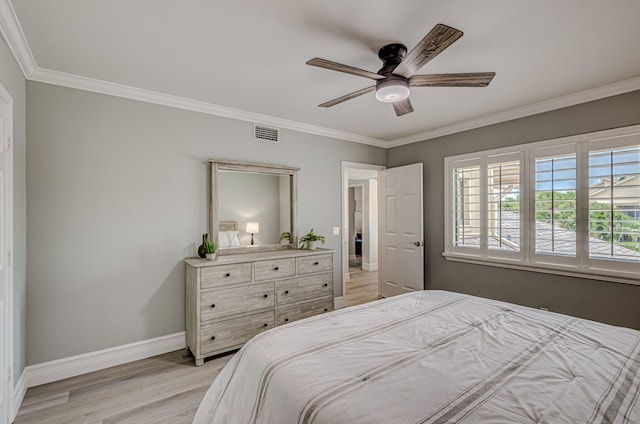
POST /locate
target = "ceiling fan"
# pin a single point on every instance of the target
(397, 73)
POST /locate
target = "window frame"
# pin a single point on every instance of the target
(579, 266)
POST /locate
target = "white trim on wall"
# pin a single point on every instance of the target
(19, 391)
(154, 97)
(338, 302)
(7, 249)
(573, 99)
(47, 372)
(370, 266)
(72, 366)
(12, 32)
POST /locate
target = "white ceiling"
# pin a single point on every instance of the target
(250, 55)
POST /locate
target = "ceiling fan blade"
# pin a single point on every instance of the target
(473, 79)
(334, 66)
(438, 39)
(403, 107)
(348, 97)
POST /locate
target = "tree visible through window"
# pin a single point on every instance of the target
(557, 204)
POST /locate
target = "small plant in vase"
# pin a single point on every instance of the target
(285, 236)
(310, 240)
(211, 249)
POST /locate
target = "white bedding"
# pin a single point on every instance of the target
(432, 357)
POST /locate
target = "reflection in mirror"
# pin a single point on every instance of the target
(245, 197)
(257, 193)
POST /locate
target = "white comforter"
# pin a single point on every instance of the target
(432, 357)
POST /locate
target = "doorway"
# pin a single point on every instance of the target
(359, 233)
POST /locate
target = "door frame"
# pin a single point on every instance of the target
(344, 189)
(6, 257)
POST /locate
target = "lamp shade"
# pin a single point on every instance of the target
(253, 227)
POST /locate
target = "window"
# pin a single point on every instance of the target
(467, 206)
(503, 206)
(569, 206)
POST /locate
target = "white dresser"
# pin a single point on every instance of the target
(235, 297)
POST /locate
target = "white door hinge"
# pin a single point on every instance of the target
(9, 375)
(9, 258)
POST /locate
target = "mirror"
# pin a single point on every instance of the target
(252, 203)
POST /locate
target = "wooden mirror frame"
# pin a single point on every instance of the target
(217, 165)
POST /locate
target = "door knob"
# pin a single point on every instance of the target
(417, 243)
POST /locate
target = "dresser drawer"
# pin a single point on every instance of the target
(316, 263)
(277, 268)
(232, 333)
(303, 310)
(304, 288)
(220, 303)
(222, 275)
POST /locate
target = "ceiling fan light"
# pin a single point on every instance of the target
(392, 90)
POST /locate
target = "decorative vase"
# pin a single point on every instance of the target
(202, 249)
(312, 245)
(211, 256)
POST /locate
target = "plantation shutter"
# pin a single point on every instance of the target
(614, 200)
(504, 200)
(554, 201)
(467, 206)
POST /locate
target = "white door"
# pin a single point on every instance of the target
(6, 330)
(401, 243)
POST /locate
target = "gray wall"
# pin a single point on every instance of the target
(13, 81)
(613, 303)
(117, 198)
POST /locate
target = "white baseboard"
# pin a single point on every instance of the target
(338, 302)
(346, 277)
(19, 391)
(352, 257)
(370, 266)
(59, 369)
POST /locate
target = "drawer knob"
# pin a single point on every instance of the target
(325, 285)
(227, 275)
(286, 320)
(213, 337)
(286, 292)
(213, 306)
(326, 310)
(276, 268)
(265, 296)
(265, 325)
(316, 263)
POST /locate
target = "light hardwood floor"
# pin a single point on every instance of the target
(362, 286)
(165, 389)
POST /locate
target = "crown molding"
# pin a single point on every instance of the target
(584, 96)
(12, 33)
(120, 90)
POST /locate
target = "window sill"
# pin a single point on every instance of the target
(546, 268)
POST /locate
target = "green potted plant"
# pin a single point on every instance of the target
(285, 235)
(309, 240)
(211, 247)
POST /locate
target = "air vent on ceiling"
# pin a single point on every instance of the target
(270, 135)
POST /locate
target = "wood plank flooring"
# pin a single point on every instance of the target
(160, 390)
(362, 286)
(164, 389)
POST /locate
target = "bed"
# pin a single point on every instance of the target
(431, 357)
